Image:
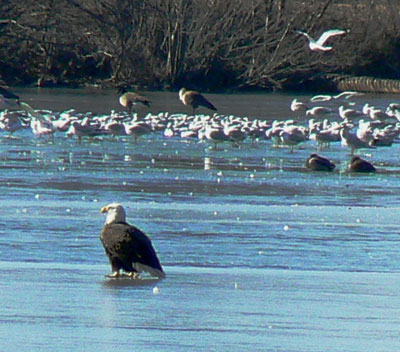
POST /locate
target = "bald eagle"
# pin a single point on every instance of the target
(127, 247)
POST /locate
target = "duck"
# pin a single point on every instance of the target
(360, 165)
(316, 162)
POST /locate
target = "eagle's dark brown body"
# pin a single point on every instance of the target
(130, 249)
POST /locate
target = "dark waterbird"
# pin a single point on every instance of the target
(316, 162)
(127, 247)
(360, 165)
(11, 101)
(8, 94)
(8, 99)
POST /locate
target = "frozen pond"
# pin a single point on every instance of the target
(260, 253)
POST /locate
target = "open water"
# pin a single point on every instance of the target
(260, 253)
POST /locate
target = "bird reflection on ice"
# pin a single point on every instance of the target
(127, 281)
(207, 163)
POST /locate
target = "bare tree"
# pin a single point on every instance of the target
(205, 43)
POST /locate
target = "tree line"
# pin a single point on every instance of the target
(202, 44)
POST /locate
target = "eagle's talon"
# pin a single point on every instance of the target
(113, 275)
(133, 275)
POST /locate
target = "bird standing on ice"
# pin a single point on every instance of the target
(129, 99)
(194, 99)
(318, 45)
(8, 99)
(351, 140)
(298, 106)
(127, 247)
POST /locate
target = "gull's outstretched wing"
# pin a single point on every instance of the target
(326, 35)
(306, 35)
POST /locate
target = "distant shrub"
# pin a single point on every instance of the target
(206, 44)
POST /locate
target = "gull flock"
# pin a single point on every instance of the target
(321, 120)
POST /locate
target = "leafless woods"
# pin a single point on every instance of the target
(208, 44)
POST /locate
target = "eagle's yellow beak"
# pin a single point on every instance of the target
(104, 210)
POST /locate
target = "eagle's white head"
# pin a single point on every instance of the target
(115, 213)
